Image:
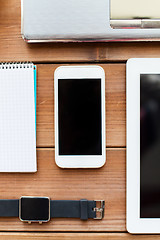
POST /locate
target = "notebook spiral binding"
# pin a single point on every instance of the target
(16, 65)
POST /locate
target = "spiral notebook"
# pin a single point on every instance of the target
(18, 118)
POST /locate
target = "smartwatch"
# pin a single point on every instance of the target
(42, 209)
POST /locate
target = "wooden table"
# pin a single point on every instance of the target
(107, 183)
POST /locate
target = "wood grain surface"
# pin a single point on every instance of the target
(77, 236)
(107, 183)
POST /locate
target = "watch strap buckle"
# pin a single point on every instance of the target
(99, 209)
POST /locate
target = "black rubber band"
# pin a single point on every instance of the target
(9, 208)
(82, 209)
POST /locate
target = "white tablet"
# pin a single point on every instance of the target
(143, 145)
(80, 116)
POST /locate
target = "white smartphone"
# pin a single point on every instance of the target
(79, 116)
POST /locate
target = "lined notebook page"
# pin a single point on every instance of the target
(17, 118)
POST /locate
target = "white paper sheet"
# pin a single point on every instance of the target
(17, 118)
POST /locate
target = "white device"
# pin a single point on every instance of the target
(143, 145)
(90, 20)
(79, 117)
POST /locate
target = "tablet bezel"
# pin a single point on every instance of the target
(80, 161)
(135, 67)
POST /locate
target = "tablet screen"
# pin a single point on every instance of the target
(150, 146)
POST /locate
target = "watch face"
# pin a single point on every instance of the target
(35, 209)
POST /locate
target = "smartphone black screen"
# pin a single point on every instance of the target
(79, 117)
(150, 146)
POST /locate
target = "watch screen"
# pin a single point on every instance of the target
(150, 146)
(34, 209)
(79, 117)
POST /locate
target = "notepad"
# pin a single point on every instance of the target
(18, 118)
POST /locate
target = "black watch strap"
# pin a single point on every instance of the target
(9, 208)
(82, 209)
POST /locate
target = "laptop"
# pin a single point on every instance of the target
(90, 20)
